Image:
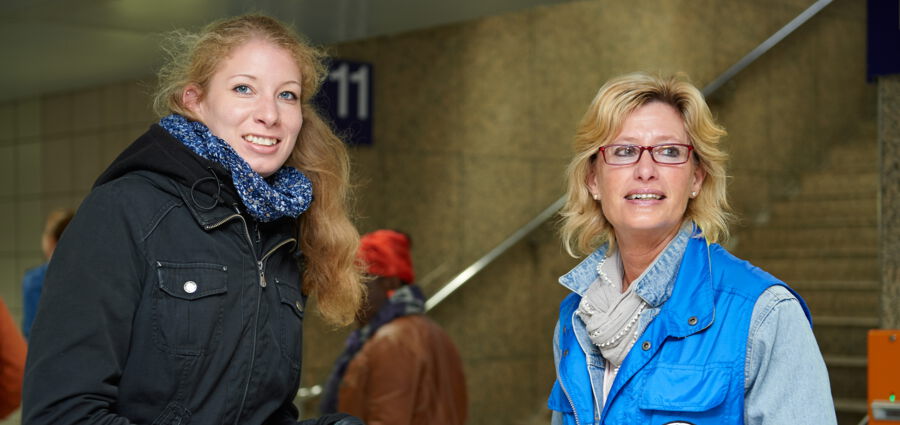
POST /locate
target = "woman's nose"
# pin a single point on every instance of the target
(645, 168)
(266, 112)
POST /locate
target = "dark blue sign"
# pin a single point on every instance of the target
(884, 38)
(346, 100)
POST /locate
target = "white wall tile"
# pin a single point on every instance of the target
(29, 226)
(10, 284)
(7, 228)
(7, 171)
(86, 112)
(28, 168)
(57, 115)
(7, 123)
(28, 118)
(86, 161)
(57, 166)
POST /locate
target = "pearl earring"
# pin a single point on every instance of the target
(693, 194)
(596, 197)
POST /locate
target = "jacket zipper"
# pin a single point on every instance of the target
(569, 399)
(240, 410)
(566, 392)
(260, 264)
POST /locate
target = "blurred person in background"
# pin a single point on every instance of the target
(12, 362)
(33, 281)
(178, 291)
(399, 367)
(663, 325)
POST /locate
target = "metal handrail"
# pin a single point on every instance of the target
(544, 215)
(488, 258)
(765, 46)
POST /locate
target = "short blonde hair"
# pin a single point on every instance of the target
(583, 225)
(328, 239)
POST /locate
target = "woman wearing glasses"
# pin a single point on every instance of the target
(664, 326)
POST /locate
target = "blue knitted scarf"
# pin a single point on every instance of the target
(289, 194)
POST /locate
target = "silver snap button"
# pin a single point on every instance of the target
(298, 305)
(190, 287)
(692, 321)
(646, 345)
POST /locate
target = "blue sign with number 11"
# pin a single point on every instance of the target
(346, 100)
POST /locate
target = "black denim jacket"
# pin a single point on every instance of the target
(166, 304)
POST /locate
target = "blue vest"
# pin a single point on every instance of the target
(688, 365)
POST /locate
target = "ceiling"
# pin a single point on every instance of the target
(60, 45)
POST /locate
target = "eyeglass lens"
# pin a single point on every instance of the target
(629, 154)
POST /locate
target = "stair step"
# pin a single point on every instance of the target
(843, 335)
(813, 237)
(848, 321)
(823, 252)
(850, 372)
(822, 268)
(837, 285)
(863, 152)
(840, 297)
(831, 183)
(852, 405)
(851, 418)
(832, 197)
(841, 303)
(813, 210)
(823, 221)
(834, 360)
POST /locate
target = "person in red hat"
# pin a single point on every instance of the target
(399, 367)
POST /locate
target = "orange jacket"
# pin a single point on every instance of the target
(12, 362)
(408, 373)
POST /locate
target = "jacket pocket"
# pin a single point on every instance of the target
(174, 414)
(290, 326)
(686, 394)
(187, 310)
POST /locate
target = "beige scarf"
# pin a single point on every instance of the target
(611, 316)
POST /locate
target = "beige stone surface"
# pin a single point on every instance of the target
(889, 141)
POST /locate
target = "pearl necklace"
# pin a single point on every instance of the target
(624, 331)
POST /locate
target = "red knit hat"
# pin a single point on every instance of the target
(386, 253)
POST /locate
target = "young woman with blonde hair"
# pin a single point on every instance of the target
(178, 292)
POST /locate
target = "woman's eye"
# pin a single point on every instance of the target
(288, 95)
(625, 151)
(670, 151)
(242, 89)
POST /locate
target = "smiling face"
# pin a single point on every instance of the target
(253, 103)
(646, 200)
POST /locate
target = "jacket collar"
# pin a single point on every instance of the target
(655, 286)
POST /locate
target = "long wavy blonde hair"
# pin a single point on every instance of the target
(583, 225)
(328, 238)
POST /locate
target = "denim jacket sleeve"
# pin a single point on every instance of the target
(786, 381)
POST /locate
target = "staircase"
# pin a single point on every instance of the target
(823, 241)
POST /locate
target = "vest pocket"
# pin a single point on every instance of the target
(187, 309)
(685, 394)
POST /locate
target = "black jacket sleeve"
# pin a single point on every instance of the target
(81, 334)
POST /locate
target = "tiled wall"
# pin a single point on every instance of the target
(53, 149)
